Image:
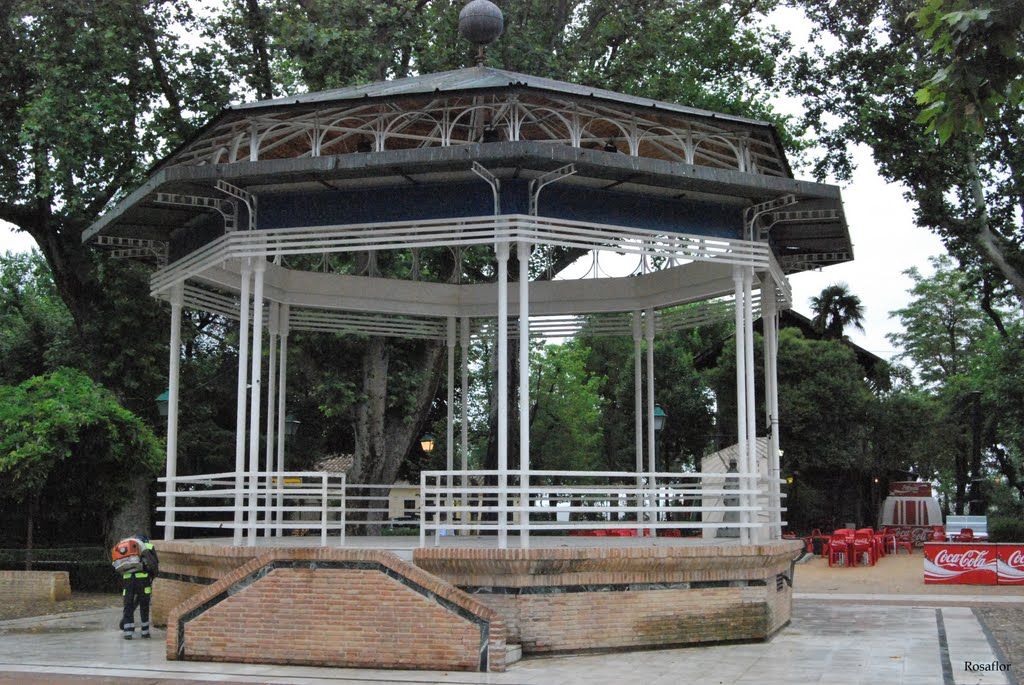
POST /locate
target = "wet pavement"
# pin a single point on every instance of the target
(836, 643)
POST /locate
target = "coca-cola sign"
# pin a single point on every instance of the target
(910, 488)
(960, 563)
(1010, 564)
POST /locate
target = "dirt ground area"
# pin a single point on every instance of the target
(80, 601)
(894, 574)
(1005, 625)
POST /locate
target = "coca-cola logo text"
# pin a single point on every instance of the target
(972, 558)
(1016, 558)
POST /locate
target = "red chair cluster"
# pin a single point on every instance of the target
(860, 547)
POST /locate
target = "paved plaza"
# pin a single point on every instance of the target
(837, 643)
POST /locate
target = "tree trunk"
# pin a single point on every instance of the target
(961, 482)
(133, 516)
(33, 510)
(383, 437)
(261, 59)
(990, 243)
(976, 495)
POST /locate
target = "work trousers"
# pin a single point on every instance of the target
(137, 593)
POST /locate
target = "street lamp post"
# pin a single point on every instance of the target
(291, 425)
(427, 443)
(163, 403)
(659, 422)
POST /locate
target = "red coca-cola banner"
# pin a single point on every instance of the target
(910, 488)
(1010, 564)
(953, 563)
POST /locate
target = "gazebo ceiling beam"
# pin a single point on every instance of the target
(689, 283)
(467, 232)
(427, 328)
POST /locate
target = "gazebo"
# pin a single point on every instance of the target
(357, 211)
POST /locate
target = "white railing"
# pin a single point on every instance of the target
(295, 501)
(471, 502)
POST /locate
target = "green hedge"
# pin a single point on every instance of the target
(1005, 530)
(88, 568)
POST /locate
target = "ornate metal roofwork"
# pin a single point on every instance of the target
(430, 129)
(482, 104)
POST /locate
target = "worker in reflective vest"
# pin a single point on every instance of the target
(138, 591)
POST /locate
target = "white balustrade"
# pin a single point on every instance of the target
(468, 503)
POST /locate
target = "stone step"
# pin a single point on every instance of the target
(513, 653)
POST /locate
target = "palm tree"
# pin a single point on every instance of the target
(835, 309)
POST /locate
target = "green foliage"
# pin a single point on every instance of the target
(863, 90)
(36, 331)
(978, 46)
(968, 354)
(1005, 530)
(64, 436)
(565, 422)
(942, 325)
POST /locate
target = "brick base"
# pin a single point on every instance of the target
(570, 600)
(334, 607)
(369, 609)
(187, 568)
(34, 585)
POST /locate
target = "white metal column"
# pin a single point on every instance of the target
(282, 386)
(652, 439)
(255, 395)
(240, 397)
(742, 464)
(173, 376)
(753, 468)
(638, 408)
(449, 442)
(268, 459)
(523, 253)
(769, 315)
(502, 250)
(464, 400)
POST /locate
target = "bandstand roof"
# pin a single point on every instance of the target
(425, 131)
(483, 78)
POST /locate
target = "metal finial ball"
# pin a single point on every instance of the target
(481, 22)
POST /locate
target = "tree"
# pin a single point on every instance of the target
(825, 406)
(968, 365)
(866, 90)
(65, 438)
(835, 309)
(566, 410)
(982, 69)
(36, 331)
(942, 325)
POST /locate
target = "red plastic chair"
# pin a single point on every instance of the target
(888, 541)
(965, 535)
(838, 549)
(864, 547)
(938, 534)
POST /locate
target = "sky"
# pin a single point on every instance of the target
(886, 241)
